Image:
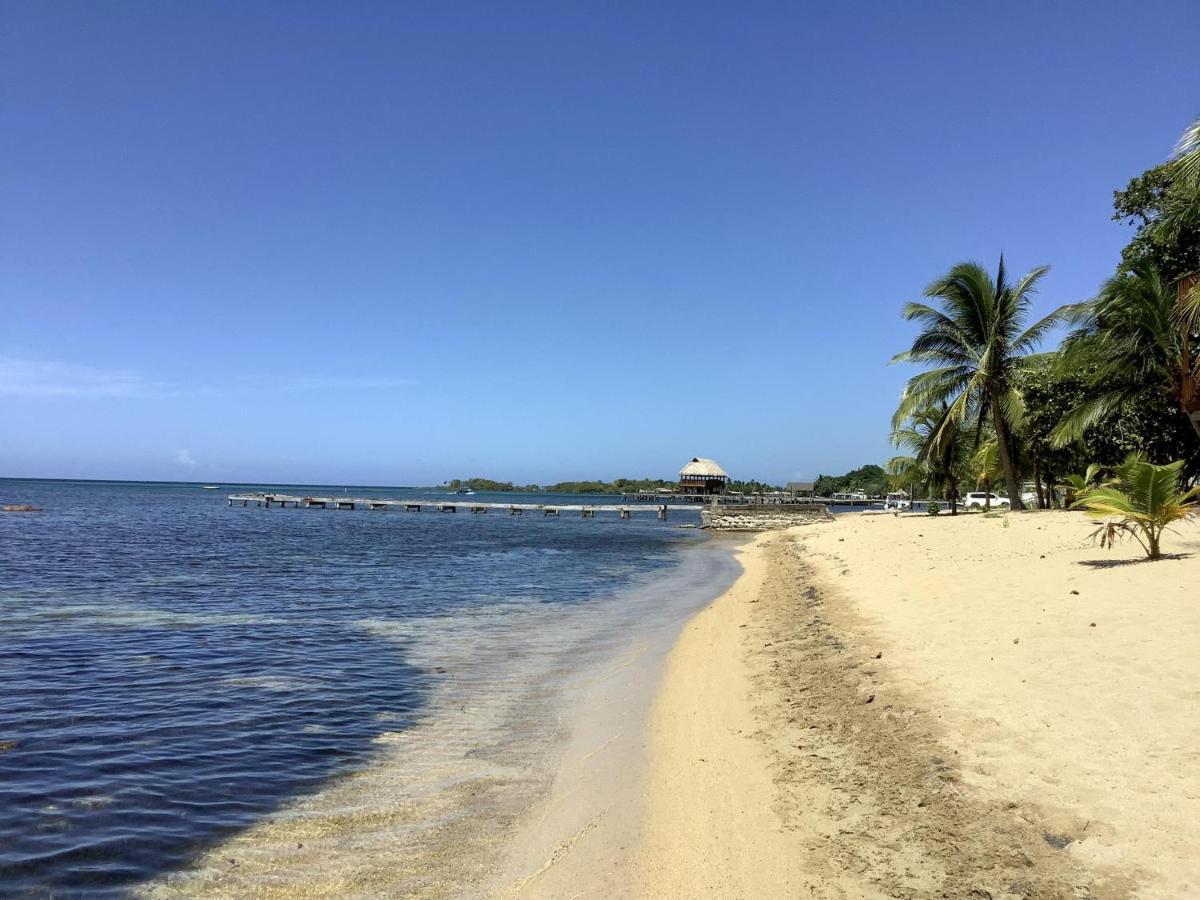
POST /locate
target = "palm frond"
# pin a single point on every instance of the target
(1144, 501)
(1087, 414)
(1186, 156)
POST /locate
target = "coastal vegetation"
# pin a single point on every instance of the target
(871, 479)
(1142, 501)
(978, 341)
(992, 410)
(938, 453)
(616, 486)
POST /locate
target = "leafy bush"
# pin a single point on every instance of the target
(933, 508)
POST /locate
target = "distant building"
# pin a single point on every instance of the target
(800, 488)
(702, 476)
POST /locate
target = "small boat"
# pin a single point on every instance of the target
(464, 491)
(211, 487)
(849, 497)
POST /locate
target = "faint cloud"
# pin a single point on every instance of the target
(328, 382)
(25, 377)
(21, 377)
(185, 459)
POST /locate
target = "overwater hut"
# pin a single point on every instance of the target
(702, 476)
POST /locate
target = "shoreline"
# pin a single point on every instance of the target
(855, 716)
(843, 721)
(580, 839)
(438, 811)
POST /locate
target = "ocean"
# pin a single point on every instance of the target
(179, 674)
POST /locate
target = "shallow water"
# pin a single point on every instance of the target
(175, 671)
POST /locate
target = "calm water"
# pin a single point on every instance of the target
(174, 670)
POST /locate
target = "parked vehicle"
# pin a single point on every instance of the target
(979, 500)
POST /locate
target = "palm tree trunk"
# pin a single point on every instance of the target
(1037, 480)
(1003, 439)
(1194, 421)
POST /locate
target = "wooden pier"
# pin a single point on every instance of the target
(585, 511)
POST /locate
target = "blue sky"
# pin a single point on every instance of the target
(398, 243)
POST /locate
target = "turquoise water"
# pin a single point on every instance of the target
(176, 670)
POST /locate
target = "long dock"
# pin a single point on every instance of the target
(415, 504)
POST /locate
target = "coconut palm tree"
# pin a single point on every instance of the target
(978, 343)
(1143, 501)
(1078, 485)
(984, 466)
(1132, 340)
(1186, 157)
(940, 451)
(1182, 207)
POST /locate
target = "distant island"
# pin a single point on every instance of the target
(870, 479)
(619, 486)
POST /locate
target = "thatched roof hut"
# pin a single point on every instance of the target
(702, 476)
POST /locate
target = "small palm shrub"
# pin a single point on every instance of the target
(1143, 501)
(934, 508)
(1078, 485)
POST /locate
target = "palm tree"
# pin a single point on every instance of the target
(977, 343)
(1187, 151)
(984, 466)
(1131, 339)
(1182, 207)
(1078, 485)
(1144, 500)
(939, 451)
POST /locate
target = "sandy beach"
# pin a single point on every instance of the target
(914, 707)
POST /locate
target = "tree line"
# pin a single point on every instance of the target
(991, 411)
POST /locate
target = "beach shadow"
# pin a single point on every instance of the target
(1118, 563)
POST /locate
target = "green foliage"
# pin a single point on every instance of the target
(984, 465)
(1129, 346)
(976, 343)
(1077, 485)
(581, 487)
(752, 486)
(1187, 154)
(1119, 383)
(617, 486)
(1164, 208)
(1148, 422)
(1050, 394)
(479, 484)
(941, 451)
(1143, 501)
(934, 508)
(870, 479)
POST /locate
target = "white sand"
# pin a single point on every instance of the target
(999, 723)
(990, 621)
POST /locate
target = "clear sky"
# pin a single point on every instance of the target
(397, 243)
